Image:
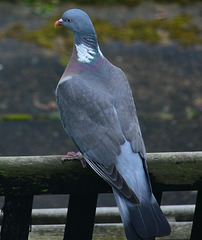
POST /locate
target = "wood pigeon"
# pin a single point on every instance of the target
(97, 111)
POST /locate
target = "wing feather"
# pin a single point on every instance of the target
(95, 125)
(114, 178)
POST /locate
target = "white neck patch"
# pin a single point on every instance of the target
(84, 53)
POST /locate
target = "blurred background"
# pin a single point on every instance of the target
(158, 44)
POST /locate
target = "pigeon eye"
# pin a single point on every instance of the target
(69, 19)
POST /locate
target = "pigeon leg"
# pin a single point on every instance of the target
(83, 163)
(73, 155)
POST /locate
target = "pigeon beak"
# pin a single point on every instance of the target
(59, 22)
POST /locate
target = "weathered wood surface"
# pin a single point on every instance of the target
(180, 231)
(81, 213)
(176, 171)
(54, 216)
(16, 218)
(196, 232)
(48, 174)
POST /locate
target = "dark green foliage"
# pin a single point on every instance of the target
(180, 29)
(49, 3)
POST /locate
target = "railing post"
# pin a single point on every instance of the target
(196, 233)
(80, 216)
(16, 217)
(158, 196)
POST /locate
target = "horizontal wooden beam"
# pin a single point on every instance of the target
(180, 230)
(176, 170)
(49, 175)
(174, 213)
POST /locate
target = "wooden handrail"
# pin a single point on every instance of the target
(23, 177)
(48, 174)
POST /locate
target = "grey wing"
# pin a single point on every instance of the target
(89, 118)
(126, 111)
(128, 119)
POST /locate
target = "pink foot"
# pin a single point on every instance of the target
(73, 155)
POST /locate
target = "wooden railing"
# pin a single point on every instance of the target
(23, 177)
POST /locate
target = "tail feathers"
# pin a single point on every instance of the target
(142, 222)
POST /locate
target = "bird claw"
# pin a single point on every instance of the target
(72, 156)
(83, 163)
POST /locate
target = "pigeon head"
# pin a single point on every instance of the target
(77, 21)
(85, 39)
